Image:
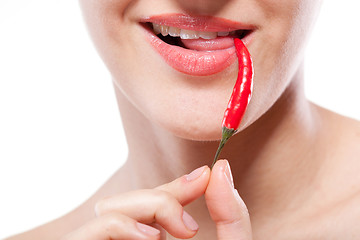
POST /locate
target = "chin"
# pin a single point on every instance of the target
(205, 130)
(199, 135)
(193, 130)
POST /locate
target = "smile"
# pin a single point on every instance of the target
(198, 46)
(190, 34)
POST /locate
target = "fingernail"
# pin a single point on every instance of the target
(195, 174)
(228, 174)
(147, 229)
(190, 222)
(240, 201)
(237, 195)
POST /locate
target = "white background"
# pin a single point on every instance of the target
(60, 131)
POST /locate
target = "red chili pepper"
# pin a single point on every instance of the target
(240, 97)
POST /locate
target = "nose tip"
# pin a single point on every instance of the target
(203, 6)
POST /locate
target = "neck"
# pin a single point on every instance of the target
(272, 160)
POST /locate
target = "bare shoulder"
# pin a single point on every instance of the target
(342, 132)
(337, 203)
(342, 157)
(340, 220)
(331, 221)
(350, 128)
(349, 138)
(344, 215)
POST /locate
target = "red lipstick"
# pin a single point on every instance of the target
(198, 23)
(196, 56)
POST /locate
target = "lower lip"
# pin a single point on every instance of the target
(192, 62)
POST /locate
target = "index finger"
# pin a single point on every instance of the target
(188, 187)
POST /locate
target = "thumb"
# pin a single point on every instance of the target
(226, 208)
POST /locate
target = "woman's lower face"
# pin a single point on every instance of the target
(182, 81)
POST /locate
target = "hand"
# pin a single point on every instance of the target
(226, 208)
(129, 215)
(126, 216)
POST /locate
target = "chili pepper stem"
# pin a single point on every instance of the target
(226, 134)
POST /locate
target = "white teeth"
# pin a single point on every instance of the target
(223, 34)
(157, 28)
(164, 30)
(174, 32)
(188, 34)
(208, 35)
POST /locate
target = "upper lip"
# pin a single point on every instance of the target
(198, 23)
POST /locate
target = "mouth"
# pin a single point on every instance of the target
(198, 46)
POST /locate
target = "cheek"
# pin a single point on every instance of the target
(106, 24)
(192, 107)
(278, 50)
(189, 107)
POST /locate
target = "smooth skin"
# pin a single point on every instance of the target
(295, 165)
(118, 216)
(135, 214)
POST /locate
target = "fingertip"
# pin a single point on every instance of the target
(147, 230)
(220, 179)
(220, 168)
(220, 163)
(197, 173)
(189, 222)
(207, 171)
(188, 187)
(198, 178)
